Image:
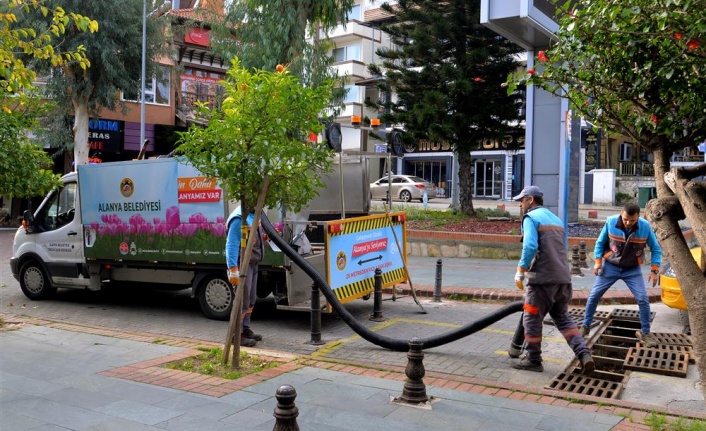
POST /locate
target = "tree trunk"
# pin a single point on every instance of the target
(465, 184)
(684, 198)
(235, 325)
(661, 165)
(80, 131)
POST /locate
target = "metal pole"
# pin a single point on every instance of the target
(315, 316)
(389, 180)
(377, 297)
(437, 284)
(144, 67)
(340, 171)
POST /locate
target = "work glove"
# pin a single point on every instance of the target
(520, 278)
(233, 275)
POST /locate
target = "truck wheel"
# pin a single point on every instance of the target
(216, 297)
(405, 196)
(34, 281)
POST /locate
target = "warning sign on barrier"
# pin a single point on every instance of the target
(356, 247)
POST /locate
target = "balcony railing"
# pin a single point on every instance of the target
(636, 169)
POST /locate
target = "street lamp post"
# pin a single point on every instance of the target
(142, 76)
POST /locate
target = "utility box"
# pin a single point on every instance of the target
(645, 194)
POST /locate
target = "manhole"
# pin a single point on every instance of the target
(585, 385)
(658, 361)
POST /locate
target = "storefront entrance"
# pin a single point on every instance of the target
(488, 179)
(432, 171)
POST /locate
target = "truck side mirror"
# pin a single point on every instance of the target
(28, 221)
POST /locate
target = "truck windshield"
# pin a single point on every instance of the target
(59, 209)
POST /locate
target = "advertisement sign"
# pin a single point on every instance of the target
(197, 36)
(156, 210)
(105, 135)
(356, 247)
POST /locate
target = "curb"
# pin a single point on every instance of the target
(511, 295)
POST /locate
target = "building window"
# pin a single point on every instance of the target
(355, 13)
(625, 152)
(346, 53)
(156, 89)
(352, 94)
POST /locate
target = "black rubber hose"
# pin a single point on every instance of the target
(373, 337)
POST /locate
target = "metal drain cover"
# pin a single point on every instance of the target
(599, 315)
(673, 339)
(622, 313)
(586, 385)
(689, 350)
(658, 361)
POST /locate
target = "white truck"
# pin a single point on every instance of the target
(154, 221)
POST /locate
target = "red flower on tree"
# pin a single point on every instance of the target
(677, 36)
(542, 57)
(653, 119)
(478, 79)
(530, 71)
(692, 45)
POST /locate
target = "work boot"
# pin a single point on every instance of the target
(585, 331)
(527, 365)
(514, 351)
(250, 334)
(247, 342)
(647, 339)
(587, 364)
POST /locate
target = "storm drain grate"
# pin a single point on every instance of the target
(672, 339)
(658, 361)
(688, 350)
(585, 385)
(622, 313)
(577, 316)
(580, 312)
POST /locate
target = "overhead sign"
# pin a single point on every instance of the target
(356, 247)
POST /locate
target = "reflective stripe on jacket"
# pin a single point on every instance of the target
(627, 250)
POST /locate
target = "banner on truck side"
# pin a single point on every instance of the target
(356, 247)
(153, 210)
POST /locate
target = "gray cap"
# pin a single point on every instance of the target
(529, 191)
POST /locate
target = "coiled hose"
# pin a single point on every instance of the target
(373, 337)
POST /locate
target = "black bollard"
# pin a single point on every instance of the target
(575, 268)
(518, 340)
(582, 255)
(377, 297)
(414, 391)
(286, 412)
(437, 284)
(315, 316)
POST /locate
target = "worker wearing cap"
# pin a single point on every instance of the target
(544, 264)
(619, 253)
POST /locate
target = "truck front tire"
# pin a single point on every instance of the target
(216, 297)
(34, 281)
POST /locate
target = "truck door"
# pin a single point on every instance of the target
(60, 236)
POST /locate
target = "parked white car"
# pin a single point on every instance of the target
(404, 188)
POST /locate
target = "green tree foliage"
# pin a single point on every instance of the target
(25, 169)
(257, 146)
(115, 53)
(271, 32)
(637, 69)
(261, 132)
(20, 42)
(447, 70)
